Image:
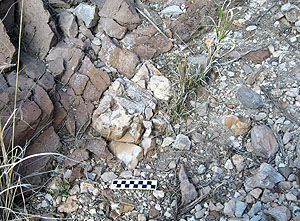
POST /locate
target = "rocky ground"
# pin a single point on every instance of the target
(233, 155)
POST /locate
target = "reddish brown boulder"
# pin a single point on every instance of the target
(112, 28)
(41, 97)
(47, 82)
(98, 147)
(78, 82)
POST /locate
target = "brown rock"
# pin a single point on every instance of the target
(76, 174)
(98, 78)
(146, 43)
(124, 60)
(56, 66)
(280, 213)
(195, 21)
(72, 58)
(258, 56)
(130, 154)
(42, 99)
(7, 14)
(112, 28)
(83, 116)
(264, 141)
(237, 125)
(33, 67)
(91, 93)
(67, 24)
(7, 50)
(71, 123)
(59, 115)
(47, 82)
(37, 33)
(98, 146)
(188, 190)
(78, 82)
(71, 205)
(47, 142)
(79, 155)
(24, 82)
(122, 11)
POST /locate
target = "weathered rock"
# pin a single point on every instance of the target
(78, 82)
(7, 15)
(67, 24)
(240, 208)
(264, 141)
(229, 207)
(76, 157)
(71, 56)
(249, 98)
(47, 82)
(98, 146)
(237, 125)
(41, 97)
(258, 56)
(182, 142)
(122, 11)
(255, 209)
(280, 213)
(188, 190)
(71, 205)
(266, 177)
(112, 28)
(171, 10)
(59, 4)
(161, 87)
(130, 154)
(146, 42)
(7, 50)
(56, 67)
(47, 142)
(124, 60)
(87, 13)
(238, 162)
(200, 108)
(108, 176)
(37, 32)
(268, 196)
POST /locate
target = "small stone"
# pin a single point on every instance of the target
(238, 162)
(172, 165)
(229, 207)
(240, 208)
(67, 24)
(141, 217)
(126, 174)
(286, 137)
(228, 165)
(153, 213)
(251, 28)
(237, 125)
(263, 141)
(285, 185)
(286, 7)
(172, 10)
(45, 203)
(285, 171)
(280, 213)
(93, 212)
(188, 190)
(167, 141)
(126, 206)
(91, 176)
(161, 87)
(201, 169)
(167, 214)
(200, 214)
(255, 209)
(87, 13)
(108, 176)
(268, 196)
(69, 206)
(249, 98)
(182, 142)
(266, 177)
(256, 192)
(291, 197)
(158, 194)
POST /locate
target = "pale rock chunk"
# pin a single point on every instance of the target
(280, 213)
(129, 153)
(182, 142)
(161, 87)
(188, 190)
(237, 125)
(71, 205)
(87, 13)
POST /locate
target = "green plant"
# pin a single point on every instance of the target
(189, 79)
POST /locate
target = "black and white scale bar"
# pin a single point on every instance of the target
(134, 184)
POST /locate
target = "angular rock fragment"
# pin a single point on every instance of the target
(182, 142)
(87, 13)
(280, 213)
(249, 98)
(264, 141)
(237, 125)
(79, 155)
(161, 87)
(71, 205)
(98, 147)
(266, 177)
(124, 60)
(146, 42)
(67, 24)
(37, 32)
(122, 11)
(7, 50)
(112, 28)
(188, 190)
(129, 153)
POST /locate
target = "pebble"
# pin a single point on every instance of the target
(108, 176)
(91, 176)
(255, 209)
(238, 162)
(251, 28)
(228, 165)
(172, 10)
(249, 98)
(280, 213)
(200, 214)
(229, 208)
(260, 116)
(287, 137)
(256, 192)
(167, 141)
(45, 203)
(158, 194)
(240, 208)
(291, 197)
(201, 169)
(172, 164)
(182, 142)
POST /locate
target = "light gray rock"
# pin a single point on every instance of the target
(280, 213)
(161, 87)
(87, 13)
(287, 137)
(188, 191)
(266, 177)
(240, 208)
(255, 209)
(229, 207)
(263, 141)
(297, 24)
(200, 108)
(249, 98)
(172, 10)
(108, 176)
(182, 142)
(67, 24)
